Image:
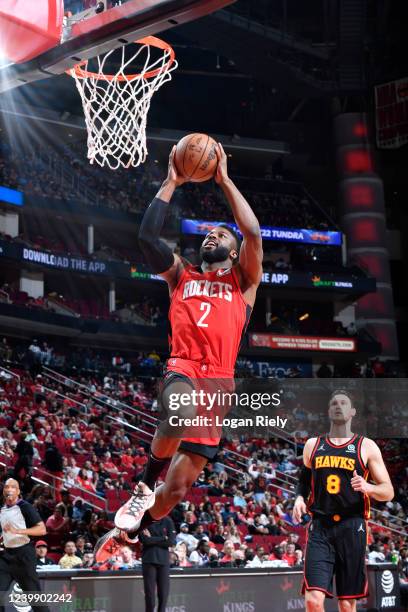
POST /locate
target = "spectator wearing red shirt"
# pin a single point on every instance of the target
(108, 465)
(140, 458)
(227, 552)
(290, 554)
(57, 526)
(127, 460)
(84, 481)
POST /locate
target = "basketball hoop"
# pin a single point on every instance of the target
(116, 105)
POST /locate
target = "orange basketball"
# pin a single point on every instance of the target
(195, 157)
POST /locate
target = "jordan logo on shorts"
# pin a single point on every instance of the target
(361, 528)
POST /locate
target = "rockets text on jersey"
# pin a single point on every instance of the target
(208, 317)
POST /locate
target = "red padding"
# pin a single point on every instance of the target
(29, 27)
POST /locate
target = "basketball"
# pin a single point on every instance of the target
(195, 157)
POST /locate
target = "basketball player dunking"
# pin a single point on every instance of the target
(209, 311)
(333, 487)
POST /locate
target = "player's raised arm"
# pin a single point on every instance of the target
(159, 256)
(382, 490)
(251, 254)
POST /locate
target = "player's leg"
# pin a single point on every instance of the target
(165, 443)
(351, 578)
(347, 605)
(184, 470)
(319, 567)
(314, 601)
(182, 473)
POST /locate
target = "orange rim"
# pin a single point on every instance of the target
(152, 41)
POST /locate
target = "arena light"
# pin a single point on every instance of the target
(304, 316)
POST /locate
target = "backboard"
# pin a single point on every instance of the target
(95, 33)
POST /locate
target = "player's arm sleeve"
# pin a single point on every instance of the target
(31, 515)
(304, 483)
(158, 255)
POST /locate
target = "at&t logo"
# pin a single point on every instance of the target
(387, 584)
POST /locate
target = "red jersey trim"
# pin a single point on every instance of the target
(360, 458)
(340, 445)
(311, 496)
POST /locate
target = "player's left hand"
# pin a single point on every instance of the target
(221, 174)
(147, 533)
(360, 484)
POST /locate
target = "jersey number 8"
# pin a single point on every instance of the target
(333, 484)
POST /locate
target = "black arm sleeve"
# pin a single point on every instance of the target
(158, 255)
(304, 484)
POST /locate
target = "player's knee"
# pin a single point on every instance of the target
(314, 601)
(177, 493)
(347, 605)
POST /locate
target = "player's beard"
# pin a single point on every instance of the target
(220, 253)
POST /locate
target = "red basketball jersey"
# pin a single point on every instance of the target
(208, 317)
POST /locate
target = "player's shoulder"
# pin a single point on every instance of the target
(369, 445)
(311, 442)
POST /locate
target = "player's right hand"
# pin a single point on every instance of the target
(299, 509)
(172, 175)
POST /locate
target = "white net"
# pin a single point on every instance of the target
(116, 106)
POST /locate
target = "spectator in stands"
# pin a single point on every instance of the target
(84, 481)
(216, 487)
(41, 549)
(229, 513)
(53, 459)
(70, 559)
(238, 558)
(254, 559)
(78, 510)
(257, 528)
(200, 556)
(260, 477)
(272, 526)
(290, 554)
(58, 523)
(276, 559)
(299, 558)
(108, 465)
(127, 560)
(127, 460)
(377, 554)
(181, 552)
(227, 558)
(88, 560)
(239, 500)
(293, 538)
(80, 544)
(184, 536)
(34, 352)
(25, 453)
(218, 537)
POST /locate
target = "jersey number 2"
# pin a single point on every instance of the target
(333, 484)
(206, 307)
